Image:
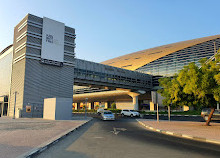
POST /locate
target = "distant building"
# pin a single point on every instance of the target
(168, 59)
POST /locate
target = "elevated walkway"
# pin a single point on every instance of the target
(90, 73)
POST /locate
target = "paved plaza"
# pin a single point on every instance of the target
(19, 136)
(193, 129)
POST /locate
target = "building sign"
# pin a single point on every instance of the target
(52, 51)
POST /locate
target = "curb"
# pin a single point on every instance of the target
(179, 134)
(84, 112)
(49, 143)
(90, 113)
(173, 115)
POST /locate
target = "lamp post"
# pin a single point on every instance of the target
(157, 108)
(15, 103)
(86, 107)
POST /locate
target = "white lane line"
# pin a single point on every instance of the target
(98, 137)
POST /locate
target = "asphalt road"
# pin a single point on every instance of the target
(125, 138)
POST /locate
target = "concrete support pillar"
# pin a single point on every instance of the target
(152, 107)
(106, 105)
(135, 99)
(217, 105)
(95, 105)
(75, 106)
(135, 102)
(89, 106)
(82, 105)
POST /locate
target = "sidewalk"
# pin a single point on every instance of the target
(18, 136)
(190, 130)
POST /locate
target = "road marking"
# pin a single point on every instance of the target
(121, 129)
(98, 137)
(117, 130)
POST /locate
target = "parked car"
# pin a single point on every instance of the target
(205, 114)
(100, 110)
(131, 113)
(107, 115)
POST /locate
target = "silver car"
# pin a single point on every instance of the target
(205, 114)
(107, 115)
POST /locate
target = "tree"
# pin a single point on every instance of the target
(173, 92)
(216, 67)
(211, 68)
(189, 80)
(165, 92)
(113, 106)
(194, 86)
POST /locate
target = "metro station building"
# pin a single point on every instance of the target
(41, 64)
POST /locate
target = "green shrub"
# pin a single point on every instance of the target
(113, 106)
(83, 110)
(115, 110)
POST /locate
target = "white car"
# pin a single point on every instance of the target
(131, 113)
(107, 115)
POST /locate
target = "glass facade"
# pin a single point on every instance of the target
(172, 63)
(5, 71)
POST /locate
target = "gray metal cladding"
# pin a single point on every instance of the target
(33, 51)
(34, 29)
(46, 81)
(17, 85)
(69, 29)
(69, 58)
(35, 18)
(69, 39)
(34, 40)
(68, 48)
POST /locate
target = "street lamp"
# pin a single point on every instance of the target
(15, 103)
(157, 108)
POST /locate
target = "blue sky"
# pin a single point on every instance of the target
(110, 28)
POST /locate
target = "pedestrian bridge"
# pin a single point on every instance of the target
(87, 73)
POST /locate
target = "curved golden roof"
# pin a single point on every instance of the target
(7, 48)
(138, 59)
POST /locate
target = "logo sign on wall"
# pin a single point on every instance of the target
(52, 50)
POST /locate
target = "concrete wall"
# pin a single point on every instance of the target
(124, 105)
(49, 108)
(58, 109)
